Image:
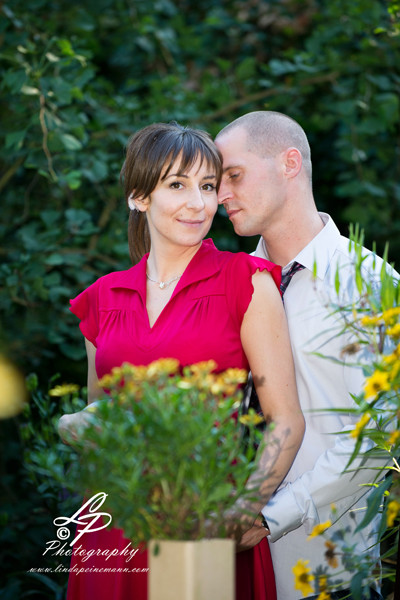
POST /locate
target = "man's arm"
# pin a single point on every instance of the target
(307, 500)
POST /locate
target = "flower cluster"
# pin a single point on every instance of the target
(165, 445)
(338, 553)
(201, 376)
(381, 394)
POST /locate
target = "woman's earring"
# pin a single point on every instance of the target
(131, 203)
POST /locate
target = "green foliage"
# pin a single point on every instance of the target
(31, 496)
(77, 80)
(374, 323)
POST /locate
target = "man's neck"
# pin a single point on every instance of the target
(285, 243)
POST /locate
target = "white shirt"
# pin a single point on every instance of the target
(316, 478)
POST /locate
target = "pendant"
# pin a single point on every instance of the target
(162, 285)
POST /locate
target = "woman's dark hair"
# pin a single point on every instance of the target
(150, 154)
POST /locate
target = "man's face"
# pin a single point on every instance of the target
(252, 187)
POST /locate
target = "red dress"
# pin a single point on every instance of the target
(201, 321)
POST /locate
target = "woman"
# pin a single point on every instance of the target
(186, 300)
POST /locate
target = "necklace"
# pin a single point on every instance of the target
(163, 284)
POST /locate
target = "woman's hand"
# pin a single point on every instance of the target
(70, 426)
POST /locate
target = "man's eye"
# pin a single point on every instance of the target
(233, 175)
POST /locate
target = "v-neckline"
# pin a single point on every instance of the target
(151, 327)
(206, 265)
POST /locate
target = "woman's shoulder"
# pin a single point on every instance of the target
(246, 264)
(123, 278)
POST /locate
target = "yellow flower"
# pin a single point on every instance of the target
(394, 331)
(369, 321)
(319, 529)
(234, 376)
(394, 437)
(202, 368)
(107, 381)
(138, 373)
(163, 366)
(330, 555)
(360, 425)
(390, 359)
(392, 511)
(303, 577)
(390, 315)
(13, 394)
(217, 386)
(64, 389)
(323, 588)
(251, 419)
(393, 373)
(378, 382)
(322, 583)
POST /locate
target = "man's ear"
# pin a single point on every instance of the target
(293, 162)
(139, 203)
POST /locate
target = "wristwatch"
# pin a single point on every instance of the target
(264, 522)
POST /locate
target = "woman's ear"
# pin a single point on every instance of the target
(139, 203)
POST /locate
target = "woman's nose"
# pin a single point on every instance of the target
(196, 200)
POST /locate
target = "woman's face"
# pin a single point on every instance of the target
(181, 208)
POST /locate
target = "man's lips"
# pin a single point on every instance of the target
(232, 212)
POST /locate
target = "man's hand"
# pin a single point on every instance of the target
(252, 536)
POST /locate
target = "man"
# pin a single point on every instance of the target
(267, 190)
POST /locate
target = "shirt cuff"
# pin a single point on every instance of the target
(283, 513)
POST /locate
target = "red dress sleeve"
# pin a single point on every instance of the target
(86, 308)
(239, 283)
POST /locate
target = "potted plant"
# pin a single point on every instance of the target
(166, 446)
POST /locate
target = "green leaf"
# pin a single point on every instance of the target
(28, 90)
(73, 179)
(65, 47)
(15, 139)
(52, 57)
(337, 280)
(14, 80)
(70, 142)
(374, 501)
(54, 259)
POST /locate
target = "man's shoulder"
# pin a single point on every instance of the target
(352, 254)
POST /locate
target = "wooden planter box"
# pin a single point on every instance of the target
(192, 570)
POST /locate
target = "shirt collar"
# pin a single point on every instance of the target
(203, 265)
(318, 253)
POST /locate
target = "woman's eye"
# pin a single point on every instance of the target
(176, 185)
(209, 187)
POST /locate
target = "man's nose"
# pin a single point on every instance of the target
(224, 193)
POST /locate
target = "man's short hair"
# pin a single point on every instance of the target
(269, 133)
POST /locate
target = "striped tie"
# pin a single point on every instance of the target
(286, 278)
